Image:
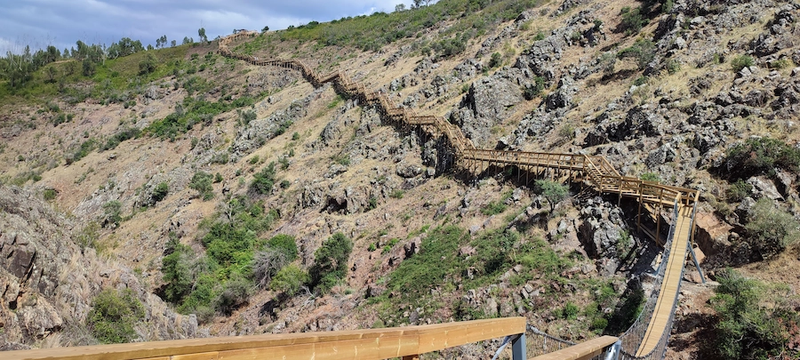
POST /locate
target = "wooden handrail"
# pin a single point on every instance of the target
(334, 345)
(582, 351)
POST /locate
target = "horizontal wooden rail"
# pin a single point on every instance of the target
(582, 351)
(335, 345)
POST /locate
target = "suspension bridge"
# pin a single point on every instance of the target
(647, 338)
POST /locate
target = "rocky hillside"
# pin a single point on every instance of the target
(251, 202)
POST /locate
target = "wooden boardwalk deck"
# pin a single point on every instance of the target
(594, 170)
(673, 275)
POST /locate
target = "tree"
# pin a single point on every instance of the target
(264, 180)
(553, 191)
(202, 34)
(113, 213)
(148, 64)
(173, 43)
(400, 7)
(265, 29)
(330, 262)
(88, 67)
(187, 40)
(201, 181)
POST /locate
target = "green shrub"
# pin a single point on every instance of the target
(397, 194)
(112, 212)
(570, 311)
(553, 191)
(234, 294)
(119, 137)
(770, 230)
(330, 262)
(643, 51)
(496, 60)
(264, 180)
(650, 176)
(148, 64)
(740, 62)
(49, 194)
(746, 328)
(494, 208)
(632, 20)
(201, 182)
(245, 117)
(285, 244)
(289, 280)
(218, 178)
(673, 66)
(532, 91)
(113, 316)
(758, 156)
(738, 191)
(84, 149)
(160, 191)
(253, 160)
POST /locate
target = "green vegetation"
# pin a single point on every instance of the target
(113, 316)
(438, 263)
(758, 156)
(126, 133)
(289, 280)
(330, 263)
(202, 183)
(553, 191)
(49, 194)
(494, 208)
(770, 230)
(632, 20)
(371, 33)
(643, 51)
(196, 110)
(738, 191)
(650, 176)
(570, 311)
(740, 62)
(753, 321)
(112, 211)
(264, 180)
(397, 194)
(221, 279)
(160, 191)
(530, 92)
(84, 149)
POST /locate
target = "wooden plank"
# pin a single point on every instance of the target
(584, 350)
(386, 343)
(438, 337)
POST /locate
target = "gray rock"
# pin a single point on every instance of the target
(764, 187)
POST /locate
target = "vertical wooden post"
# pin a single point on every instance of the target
(639, 214)
(518, 348)
(619, 200)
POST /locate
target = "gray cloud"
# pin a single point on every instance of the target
(39, 23)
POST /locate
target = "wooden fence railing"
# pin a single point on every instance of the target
(405, 342)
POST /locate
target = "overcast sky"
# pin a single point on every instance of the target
(62, 22)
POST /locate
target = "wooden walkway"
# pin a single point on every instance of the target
(668, 296)
(595, 171)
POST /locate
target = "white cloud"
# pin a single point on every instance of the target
(61, 23)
